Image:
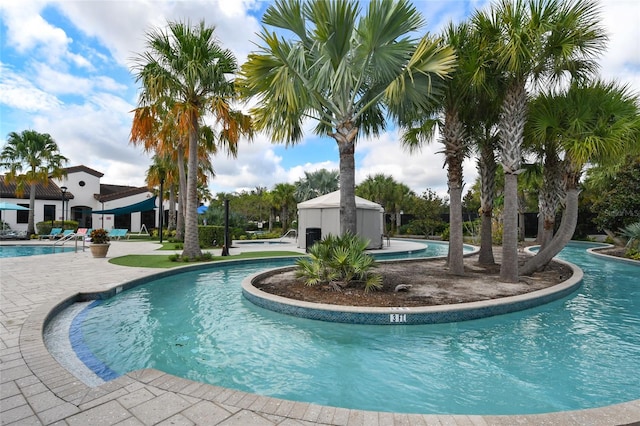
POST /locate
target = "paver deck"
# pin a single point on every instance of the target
(36, 389)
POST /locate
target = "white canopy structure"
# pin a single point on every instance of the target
(320, 217)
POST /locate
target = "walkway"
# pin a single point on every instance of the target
(36, 390)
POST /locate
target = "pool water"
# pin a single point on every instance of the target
(579, 352)
(17, 250)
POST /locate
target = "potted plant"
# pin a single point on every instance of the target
(99, 242)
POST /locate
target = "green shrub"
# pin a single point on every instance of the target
(44, 228)
(446, 233)
(339, 261)
(210, 236)
(632, 253)
(632, 233)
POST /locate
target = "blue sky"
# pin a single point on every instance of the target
(65, 70)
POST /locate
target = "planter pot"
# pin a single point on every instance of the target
(99, 250)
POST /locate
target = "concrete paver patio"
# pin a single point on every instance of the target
(36, 389)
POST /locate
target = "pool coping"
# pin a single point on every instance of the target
(78, 399)
(406, 315)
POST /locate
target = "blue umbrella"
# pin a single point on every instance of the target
(202, 209)
(10, 206)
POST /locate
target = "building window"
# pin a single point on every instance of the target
(22, 216)
(49, 212)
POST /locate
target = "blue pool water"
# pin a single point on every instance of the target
(17, 250)
(579, 352)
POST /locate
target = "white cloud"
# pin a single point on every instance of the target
(419, 170)
(19, 93)
(27, 30)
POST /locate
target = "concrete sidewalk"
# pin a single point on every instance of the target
(36, 390)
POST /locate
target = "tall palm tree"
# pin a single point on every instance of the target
(185, 65)
(599, 123)
(487, 168)
(541, 134)
(31, 158)
(457, 114)
(534, 41)
(343, 69)
(161, 174)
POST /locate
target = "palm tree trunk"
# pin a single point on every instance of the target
(453, 137)
(512, 121)
(521, 211)
(31, 226)
(172, 208)
(509, 266)
(191, 240)
(345, 137)
(550, 195)
(565, 230)
(456, 240)
(182, 192)
(285, 218)
(487, 168)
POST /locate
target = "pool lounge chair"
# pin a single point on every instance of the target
(117, 233)
(55, 233)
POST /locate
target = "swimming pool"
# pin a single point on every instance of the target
(26, 250)
(578, 352)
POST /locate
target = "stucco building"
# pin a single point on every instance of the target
(78, 196)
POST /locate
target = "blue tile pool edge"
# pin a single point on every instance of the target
(406, 315)
(84, 354)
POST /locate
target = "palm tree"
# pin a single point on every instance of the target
(487, 168)
(599, 123)
(31, 158)
(541, 132)
(282, 197)
(534, 41)
(160, 174)
(184, 67)
(385, 191)
(458, 113)
(343, 69)
(315, 184)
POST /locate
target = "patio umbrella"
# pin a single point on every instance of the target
(9, 206)
(202, 209)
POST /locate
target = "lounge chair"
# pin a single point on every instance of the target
(55, 233)
(82, 233)
(117, 233)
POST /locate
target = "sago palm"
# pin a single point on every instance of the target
(344, 69)
(339, 261)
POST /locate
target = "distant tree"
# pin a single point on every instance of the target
(384, 190)
(283, 200)
(31, 158)
(471, 201)
(427, 211)
(315, 184)
(617, 197)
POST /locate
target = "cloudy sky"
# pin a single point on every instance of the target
(65, 70)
